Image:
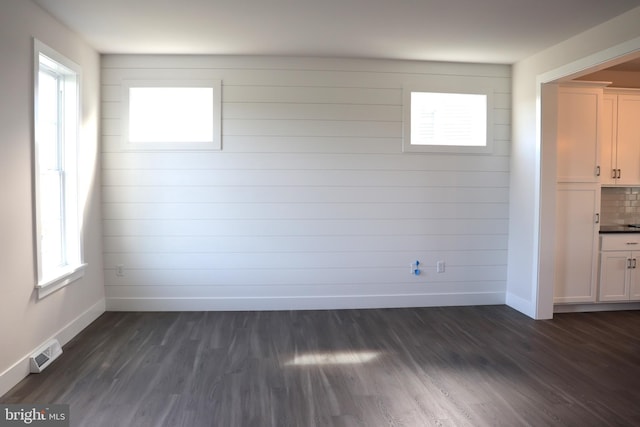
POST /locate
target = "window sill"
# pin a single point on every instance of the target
(65, 278)
(171, 146)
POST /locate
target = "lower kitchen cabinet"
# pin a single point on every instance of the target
(577, 228)
(619, 268)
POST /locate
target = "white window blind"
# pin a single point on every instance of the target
(447, 121)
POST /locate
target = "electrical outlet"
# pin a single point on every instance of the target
(440, 267)
(120, 270)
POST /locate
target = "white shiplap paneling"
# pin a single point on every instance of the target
(311, 203)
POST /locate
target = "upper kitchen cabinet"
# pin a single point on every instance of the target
(620, 152)
(578, 133)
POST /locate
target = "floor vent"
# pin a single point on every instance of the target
(44, 356)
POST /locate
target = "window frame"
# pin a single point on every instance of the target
(464, 89)
(214, 145)
(68, 75)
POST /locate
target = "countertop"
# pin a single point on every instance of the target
(605, 229)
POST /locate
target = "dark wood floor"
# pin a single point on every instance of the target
(456, 366)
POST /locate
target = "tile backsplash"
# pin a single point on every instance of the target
(620, 205)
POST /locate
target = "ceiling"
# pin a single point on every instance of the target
(632, 66)
(488, 31)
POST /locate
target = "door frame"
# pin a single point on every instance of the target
(545, 198)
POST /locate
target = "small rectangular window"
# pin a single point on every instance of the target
(172, 114)
(437, 121)
(57, 217)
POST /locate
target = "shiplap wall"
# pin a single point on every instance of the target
(311, 203)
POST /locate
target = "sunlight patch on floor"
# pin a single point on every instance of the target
(333, 358)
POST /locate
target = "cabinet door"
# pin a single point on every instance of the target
(614, 276)
(577, 134)
(634, 281)
(608, 154)
(628, 136)
(576, 243)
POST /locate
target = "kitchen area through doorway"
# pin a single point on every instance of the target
(597, 134)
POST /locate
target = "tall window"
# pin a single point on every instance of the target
(57, 220)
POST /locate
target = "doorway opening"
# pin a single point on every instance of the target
(620, 70)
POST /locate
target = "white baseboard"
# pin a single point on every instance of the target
(524, 306)
(19, 370)
(303, 303)
(587, 308)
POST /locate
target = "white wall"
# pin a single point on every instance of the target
(25, 322)
(311, 203)
(532, 182)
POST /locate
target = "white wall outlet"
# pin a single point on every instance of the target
(440, 267)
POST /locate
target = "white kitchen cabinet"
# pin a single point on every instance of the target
(578, 133)
(608, 145)
(620, 142)
(619, 268)
(576, 250)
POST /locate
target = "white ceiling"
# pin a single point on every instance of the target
(489, 31)
(633, 66)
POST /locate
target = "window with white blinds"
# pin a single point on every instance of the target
(447, 122)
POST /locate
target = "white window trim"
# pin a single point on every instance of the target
(68, 276)
(75, 270)
(407, 147)
(215, 145)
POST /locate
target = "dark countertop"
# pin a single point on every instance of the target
(618, 229)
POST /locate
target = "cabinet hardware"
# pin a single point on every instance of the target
(597, 218)
(597, 170)
(628, 262)
(613, 173)
(619, 174)
(634, 263)
(632, 243)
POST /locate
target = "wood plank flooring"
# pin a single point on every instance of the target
(453, 366)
